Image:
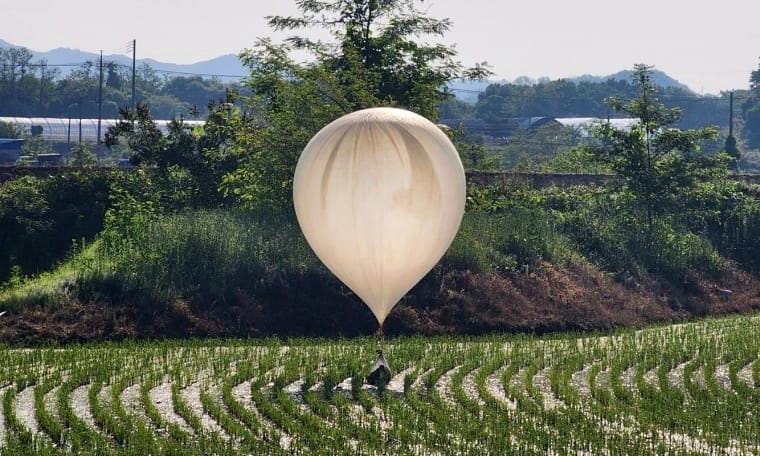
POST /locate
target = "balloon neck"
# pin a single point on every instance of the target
(379, 332)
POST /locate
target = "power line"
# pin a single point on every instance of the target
(121, 65)
(664, 97)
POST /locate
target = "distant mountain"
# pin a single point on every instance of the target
(658, 77)
(227, 67)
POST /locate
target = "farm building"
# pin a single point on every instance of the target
(10, 150)
(581, 123)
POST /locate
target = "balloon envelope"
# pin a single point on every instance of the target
(379, 195)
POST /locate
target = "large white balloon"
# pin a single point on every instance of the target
(379, 195)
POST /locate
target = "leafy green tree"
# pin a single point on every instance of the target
(33, 88)
(8, 130)
(731, 148)
(564, 98)
(378, 55)
(114, 77)
(378, 58)
(560, 98)
(141, 134)
(24, 216)
(754, 80)
(148, 81)
(659, 165)
(165, 106)
(455, 108)
(35, 145)
(41, 217)
(195, 90)
(192, 159)
(752, 126)
(528, 148)
(79, 92)
(16, 82)
(82, 156)
(751, 110)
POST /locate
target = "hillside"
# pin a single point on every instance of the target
(227, 273)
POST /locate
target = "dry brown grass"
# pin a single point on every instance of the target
(578, 297)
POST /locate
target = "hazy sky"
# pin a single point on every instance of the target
(708, 45)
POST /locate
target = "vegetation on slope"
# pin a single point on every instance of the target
(524, 260)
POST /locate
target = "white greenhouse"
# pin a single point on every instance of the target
(72, 130)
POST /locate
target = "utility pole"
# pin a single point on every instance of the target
(731, 114)
(100, 102)
(42, 83)
(134, 60)
(81, 102)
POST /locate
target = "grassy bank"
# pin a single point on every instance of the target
(524, 260)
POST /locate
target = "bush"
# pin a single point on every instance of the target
(42, 218)
(618, 241)
(734, 231)
(208, 254)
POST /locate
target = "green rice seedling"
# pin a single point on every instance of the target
(49, 424)
(23, 435)
(176, 433)
(682, 389)
(81, 437)
(230, 425)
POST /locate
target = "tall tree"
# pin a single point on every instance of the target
(15, 80)
(9, 130)
(754, 80)
(752, 111)
(195, 159)
(380, 50)
(378, 58)
(659, 164)
(195, 90)
(731, 148)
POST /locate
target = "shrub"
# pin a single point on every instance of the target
(41, 218)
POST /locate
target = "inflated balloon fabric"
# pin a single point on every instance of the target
(379, 195)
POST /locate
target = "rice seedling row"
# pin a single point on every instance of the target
(684, 389)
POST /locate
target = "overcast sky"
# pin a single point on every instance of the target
(710, 46)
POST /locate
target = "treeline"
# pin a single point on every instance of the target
(501, 108)
(32, 88)
(565, 98)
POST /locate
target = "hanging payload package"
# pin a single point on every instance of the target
(380, 374)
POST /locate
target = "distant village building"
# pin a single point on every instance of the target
(583, 123)
(49, 159)
(469, 125)
(10, 150)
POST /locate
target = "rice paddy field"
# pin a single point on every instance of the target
(680, 390)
